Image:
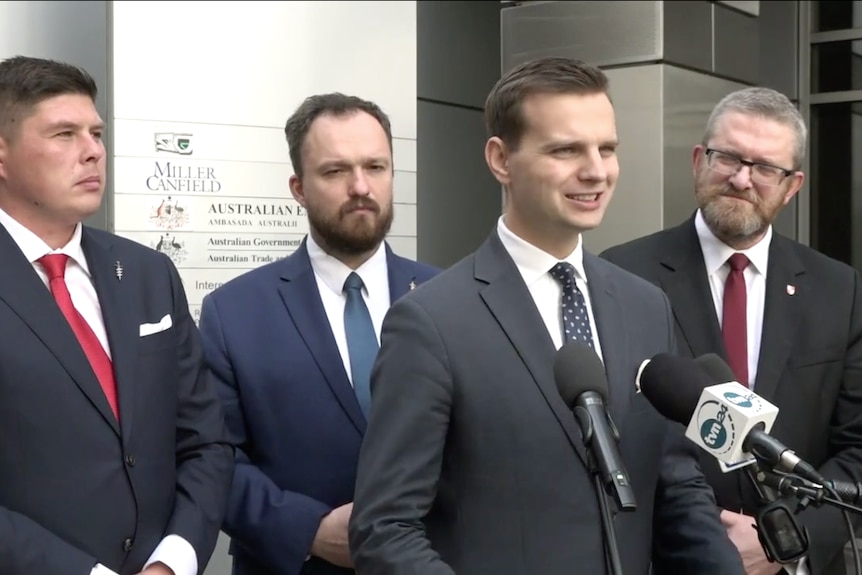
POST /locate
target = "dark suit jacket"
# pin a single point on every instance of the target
(810, 362)
(473, 464)
(76, 488)
(290, 408)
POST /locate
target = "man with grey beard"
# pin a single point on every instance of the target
(787, 319)
(291, 345)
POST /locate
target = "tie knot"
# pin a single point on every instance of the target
(55, 265)
(564, 273)
(353, 282)
(738, 262)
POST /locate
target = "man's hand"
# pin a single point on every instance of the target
(741, 530)
(330, 543)
(157, 569)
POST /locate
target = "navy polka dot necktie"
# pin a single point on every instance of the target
(576, 320)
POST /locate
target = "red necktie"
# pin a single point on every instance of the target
(55, 266)
(733, 324)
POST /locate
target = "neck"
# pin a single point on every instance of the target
(55, 234)
(351, 259)
(560, 243)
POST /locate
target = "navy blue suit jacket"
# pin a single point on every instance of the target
(290, 409)
(76, 486)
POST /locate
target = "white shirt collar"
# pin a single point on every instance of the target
(716, 252)
(34, 247)
(374, 271)
(533, 262)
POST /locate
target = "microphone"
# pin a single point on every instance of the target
(765, 448)
(727, 420)
(789, 484)
(581, 381)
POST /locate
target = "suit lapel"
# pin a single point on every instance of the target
(300, 294)
(780, 315)
(685, 282)
(509, 301)
(34, 304)
(401, 277)
(613, 338)
(123, 333)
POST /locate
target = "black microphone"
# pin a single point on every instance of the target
(581, 381)
(765, 448)
(673, 385)
(788, 484)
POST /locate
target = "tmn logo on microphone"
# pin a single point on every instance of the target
(717, 428)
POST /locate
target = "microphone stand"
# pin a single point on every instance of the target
(811, 493)
(807, 492)
(781, 537)
(612, 552)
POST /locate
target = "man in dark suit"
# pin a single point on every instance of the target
(112, 446)
(472, 462)
(291, 357)
(796, 338)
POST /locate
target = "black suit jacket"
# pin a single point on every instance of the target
(810, 362)
(76, 488)
(473, 464)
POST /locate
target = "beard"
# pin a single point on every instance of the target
(349, 234)
(736, 217)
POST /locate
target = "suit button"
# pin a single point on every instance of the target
(130, 460)
(127, 544)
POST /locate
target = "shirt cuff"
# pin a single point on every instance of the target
(177, 554)
(102, 570)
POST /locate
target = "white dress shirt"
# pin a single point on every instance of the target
(535, 266)
(331, 274)
(173, 551)
(715, 256)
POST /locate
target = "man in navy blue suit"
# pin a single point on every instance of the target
(292, 343)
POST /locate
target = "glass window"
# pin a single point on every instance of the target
(836, 66)
(836, 181)
(828, 16)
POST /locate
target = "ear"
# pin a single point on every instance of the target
(4, 152)
(295, 183)
(796, 181)
(497, 158)
(697, 157)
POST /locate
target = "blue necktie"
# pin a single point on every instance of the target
(361, 340)
(576, 320)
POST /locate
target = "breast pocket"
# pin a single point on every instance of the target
(813, 357)
(156, 342)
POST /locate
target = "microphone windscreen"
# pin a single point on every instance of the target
(577, 369)
(716, 368)
(673, 385)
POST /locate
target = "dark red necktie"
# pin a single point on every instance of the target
(55, 266)
(733, 324)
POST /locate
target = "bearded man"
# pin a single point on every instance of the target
(785, 317)
(291, 345)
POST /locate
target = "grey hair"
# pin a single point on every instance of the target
(765, 103)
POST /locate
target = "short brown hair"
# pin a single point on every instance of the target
(26, 81)
(503, 115)
(334, 104)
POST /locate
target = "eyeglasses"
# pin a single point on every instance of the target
(764, 174)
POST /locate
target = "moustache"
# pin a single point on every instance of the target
(360, 205)
(731, 192)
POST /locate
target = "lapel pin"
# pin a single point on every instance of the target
(118, 269)
(412, 285)
(791, 289)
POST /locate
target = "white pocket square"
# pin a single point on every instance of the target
(151, 328)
